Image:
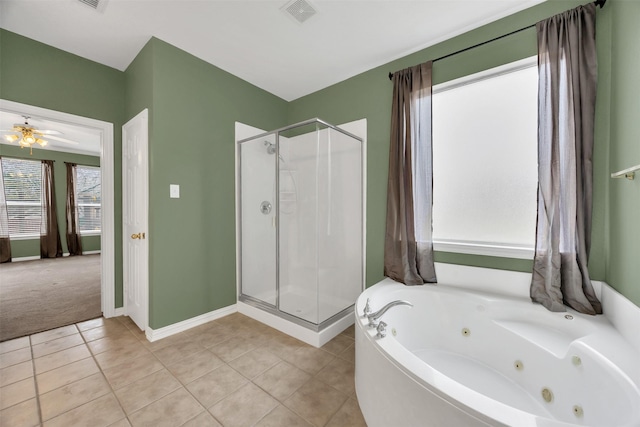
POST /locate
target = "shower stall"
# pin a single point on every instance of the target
(301, 228)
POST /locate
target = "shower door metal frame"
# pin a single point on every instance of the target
(275, 309)
(242, 297)
(316, 327)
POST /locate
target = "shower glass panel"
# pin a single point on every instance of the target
(320, 222)
(302, 221)
(258, 218)
(340, 231)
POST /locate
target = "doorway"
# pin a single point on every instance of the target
(106, 135)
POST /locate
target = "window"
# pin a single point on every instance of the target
(485, 162)
(89, 199)
(23, 190)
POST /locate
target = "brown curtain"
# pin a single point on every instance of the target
(74, 242)
(50, 245)
(567, 73)
(408, 248)
(5, 242)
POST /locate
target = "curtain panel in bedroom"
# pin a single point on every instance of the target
(50, 244)
(74, 242)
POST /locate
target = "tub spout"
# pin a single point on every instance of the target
(373, 317)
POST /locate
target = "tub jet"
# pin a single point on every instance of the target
(577, 411)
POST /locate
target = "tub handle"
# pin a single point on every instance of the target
(382, 330)
(367, 308)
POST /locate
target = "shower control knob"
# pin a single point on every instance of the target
(265, 208)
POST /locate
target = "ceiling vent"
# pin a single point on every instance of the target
(98, 5)
(300, 10)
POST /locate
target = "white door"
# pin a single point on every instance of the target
(135, 206)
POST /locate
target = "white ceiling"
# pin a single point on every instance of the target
(255, 40)
(78, 139)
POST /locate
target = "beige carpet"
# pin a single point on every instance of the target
(45, 294)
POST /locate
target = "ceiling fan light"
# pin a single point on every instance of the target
(11, 138)
(29, 139)
(42, 142)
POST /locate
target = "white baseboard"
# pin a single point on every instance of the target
(31, 258)
(316, 339)
(118, 312)
(83, 253)
(25, 258)
(157, 334)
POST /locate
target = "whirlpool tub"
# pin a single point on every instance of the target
(462, 357)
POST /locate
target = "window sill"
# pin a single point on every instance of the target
(485, 249)
(90, 233)
(25, 237)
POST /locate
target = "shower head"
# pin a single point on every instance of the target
(271, 148)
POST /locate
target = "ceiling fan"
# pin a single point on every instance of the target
(27, 135)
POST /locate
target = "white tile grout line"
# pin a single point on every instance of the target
(35, 383)
(104, 377)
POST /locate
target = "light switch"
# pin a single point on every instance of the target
(174, 191)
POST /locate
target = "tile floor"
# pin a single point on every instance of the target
(233, 371)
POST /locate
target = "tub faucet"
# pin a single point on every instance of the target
(373, 317)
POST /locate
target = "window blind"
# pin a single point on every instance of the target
(23, 190)
(89, 198)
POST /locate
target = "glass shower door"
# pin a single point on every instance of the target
(258, 219)
(298, 260)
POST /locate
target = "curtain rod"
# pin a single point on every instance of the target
(596, 2)
(81, 164)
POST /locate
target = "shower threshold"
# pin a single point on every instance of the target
(313, 334)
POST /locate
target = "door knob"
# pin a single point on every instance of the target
(137, 236)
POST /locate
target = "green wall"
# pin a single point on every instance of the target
(624, 200)
(193, 109)
(64, 82)
(139, 84)
(31, 247)
(368, 95)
